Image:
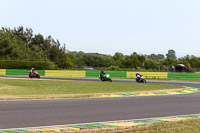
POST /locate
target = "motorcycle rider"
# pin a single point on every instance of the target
(32, 70)
(138, 76)
(101, 75)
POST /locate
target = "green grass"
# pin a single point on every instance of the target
(22, 87)
(184, 80)
(187, 126)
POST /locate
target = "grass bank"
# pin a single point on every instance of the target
(179, 80)
(47, 89)
(187, 80)
(186, 126)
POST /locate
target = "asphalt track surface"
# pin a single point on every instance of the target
(35, 113)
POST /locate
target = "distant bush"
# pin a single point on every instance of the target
(21, 64)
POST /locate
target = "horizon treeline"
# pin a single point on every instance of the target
(21, 49)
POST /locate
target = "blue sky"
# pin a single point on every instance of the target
(109, 26)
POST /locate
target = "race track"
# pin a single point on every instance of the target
(34, 113)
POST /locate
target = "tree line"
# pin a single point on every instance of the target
(20, 44)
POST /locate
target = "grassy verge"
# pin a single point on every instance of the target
(46, 89)
(182, 80)
(186, 126)
(187, 80)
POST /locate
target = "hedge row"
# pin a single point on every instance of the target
(20, 64)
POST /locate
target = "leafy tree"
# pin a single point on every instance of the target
(25, 35)
(38, 40)
(6, 41)
(190, 61)
(21, 44)
(169, 62)
(171, 54)
(151, 64)
(158, 57)
(118, 58)
(153, 56)
(161, 57)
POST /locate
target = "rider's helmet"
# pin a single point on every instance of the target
(102, 72)
(137, 74)
(32, 68)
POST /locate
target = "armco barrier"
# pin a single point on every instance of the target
(149, 75)
(2, 72)
(63, 73)
(22, 72)
(113, 74)
(95, 74)
(174, 75)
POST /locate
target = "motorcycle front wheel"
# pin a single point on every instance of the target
(38, 76)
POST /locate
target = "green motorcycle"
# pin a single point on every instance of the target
(105, 77)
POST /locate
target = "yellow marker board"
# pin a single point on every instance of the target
(63, 73)
(149, 75)
(2, 72)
